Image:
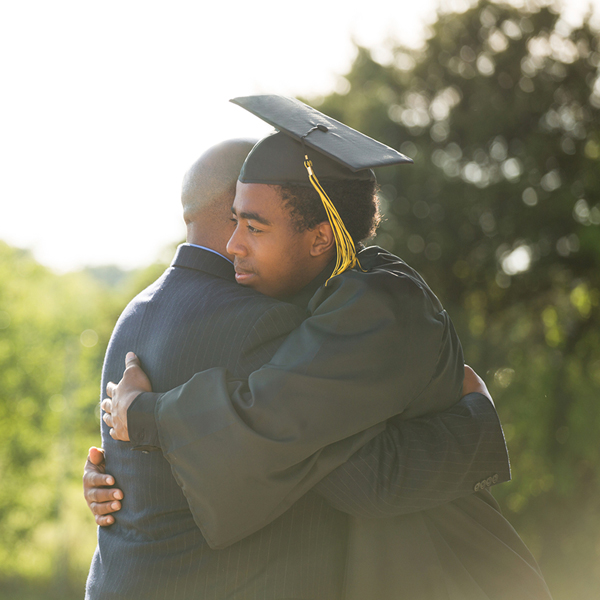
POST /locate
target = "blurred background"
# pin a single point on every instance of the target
(105, 106)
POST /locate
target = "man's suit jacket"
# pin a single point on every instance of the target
(193, 318)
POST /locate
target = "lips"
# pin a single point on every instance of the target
(243, 275)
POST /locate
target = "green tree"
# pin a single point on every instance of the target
(500, 112)
(53, 334)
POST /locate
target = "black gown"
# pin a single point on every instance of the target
(376, 345)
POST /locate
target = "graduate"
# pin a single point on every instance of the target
(377, 346)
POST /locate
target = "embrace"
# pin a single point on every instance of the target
(293, 418)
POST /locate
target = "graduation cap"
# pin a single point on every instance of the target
(337, 153)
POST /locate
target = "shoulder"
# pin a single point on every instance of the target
(239, 308)
(136, 306)
(391, 271)
(269, 318)
(263, 311)
(203, 300)
(383, 282)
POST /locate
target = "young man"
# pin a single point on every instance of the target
(270, 431)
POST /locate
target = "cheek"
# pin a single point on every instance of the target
(274, 264)
(277, 262)
(259, 255)
(290, 263)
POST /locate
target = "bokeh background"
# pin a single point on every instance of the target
(105, 106)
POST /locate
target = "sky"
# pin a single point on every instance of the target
(104, 106)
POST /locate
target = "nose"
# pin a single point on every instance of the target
(235, 245)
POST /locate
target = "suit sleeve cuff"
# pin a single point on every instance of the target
(141, 422)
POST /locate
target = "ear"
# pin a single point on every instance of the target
(323, 240)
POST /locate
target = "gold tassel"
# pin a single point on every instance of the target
(346, 251)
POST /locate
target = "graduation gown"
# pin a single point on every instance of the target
(462, 550)
(375, 344)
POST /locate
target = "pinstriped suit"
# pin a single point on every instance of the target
(193, 318)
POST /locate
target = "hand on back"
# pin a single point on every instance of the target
(102, 499)
(121, 395)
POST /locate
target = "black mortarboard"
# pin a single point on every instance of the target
(337, 151)
(310, 144)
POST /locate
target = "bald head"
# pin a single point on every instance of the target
(208, 190)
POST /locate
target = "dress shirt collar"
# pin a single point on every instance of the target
(207, 249)
(190, 256)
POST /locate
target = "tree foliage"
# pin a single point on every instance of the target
(500, 212)
(53, 335)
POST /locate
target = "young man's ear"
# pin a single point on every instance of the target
(323, 241)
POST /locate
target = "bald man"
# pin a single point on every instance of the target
(207, 193)
(192, 318)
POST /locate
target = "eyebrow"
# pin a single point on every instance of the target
(251, 216)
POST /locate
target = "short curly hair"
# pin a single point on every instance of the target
(356, 201)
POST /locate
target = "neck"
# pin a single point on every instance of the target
(199, 236)
(303, 296)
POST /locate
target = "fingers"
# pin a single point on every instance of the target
(104, 521)
(473, 383)
(131, 360)
(108, 419)
(119, 434)
(96, 456)
(95, 478)
(102, 512)
(104, 508)
(470, 372)
(103, 498)
(110, 389)
(117, 431)
(121, 396)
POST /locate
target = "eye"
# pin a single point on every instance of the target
(233, 220)
(253, 229)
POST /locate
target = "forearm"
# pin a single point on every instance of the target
(420, 463)
(236, 479)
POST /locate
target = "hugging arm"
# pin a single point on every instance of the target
(372, 348)
(412, 465)
(422, 462)
(245, 450)
(376, 344)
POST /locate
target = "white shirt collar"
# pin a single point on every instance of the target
(208, 250)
